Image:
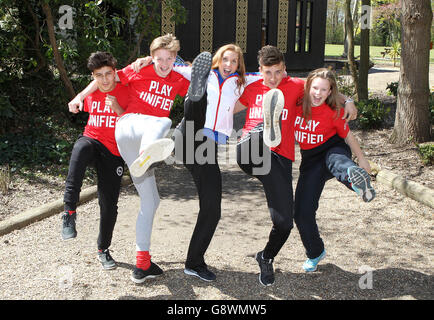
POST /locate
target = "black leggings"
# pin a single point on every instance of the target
(315, 170)
(109, 169)
(206, 174)
(275, 174)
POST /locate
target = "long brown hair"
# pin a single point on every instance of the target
(332, 99)
(241, 70)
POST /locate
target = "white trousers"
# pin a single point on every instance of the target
(133, 133)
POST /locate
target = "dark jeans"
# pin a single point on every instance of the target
(314, 172)
(206, 175)
(109, 169)
(277, 182)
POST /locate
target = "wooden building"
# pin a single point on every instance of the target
(296, 27)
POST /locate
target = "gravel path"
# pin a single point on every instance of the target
(391, 236)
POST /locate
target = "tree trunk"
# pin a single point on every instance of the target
(354, 17)
(36, 42)
(350, 35)
(364, 57)
(59, 61)
(412, 119)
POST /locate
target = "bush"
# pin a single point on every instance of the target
(371, 113)
(34, 149)
(427, 153)
(345, 83)
(392, 87)
(177, 111)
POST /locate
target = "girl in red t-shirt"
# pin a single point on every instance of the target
(326, 144)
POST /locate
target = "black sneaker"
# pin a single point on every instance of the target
(266, 277)
(272, 107)
(68, 225)
(140, 275)
(199, 76)
(106, 259)
(201, 272)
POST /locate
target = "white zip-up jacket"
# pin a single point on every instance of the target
(221, 99)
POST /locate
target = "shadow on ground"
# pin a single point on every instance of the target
(328, 282)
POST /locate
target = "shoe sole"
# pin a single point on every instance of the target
(69, 238)
(259, 277)
(316, 267)
(107, 268)
(199, 76)
(157, 151)
(361, 183)
(145, 278)
(193, 273)
(272, 109)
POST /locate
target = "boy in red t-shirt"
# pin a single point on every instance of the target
(326, 143)
(140, 136)
(270, 104)
(97, 147)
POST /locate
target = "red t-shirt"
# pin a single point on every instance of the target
(252, 97)
(102, 119)
(151, 94)
(322, 126)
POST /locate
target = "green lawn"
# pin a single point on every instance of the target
(335, 50)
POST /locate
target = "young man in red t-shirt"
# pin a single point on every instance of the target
(97, 147)
(140, 136)
(270, 104)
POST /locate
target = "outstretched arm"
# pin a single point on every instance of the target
(76, 104)
(357, 151)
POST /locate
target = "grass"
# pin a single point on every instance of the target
(335, 50)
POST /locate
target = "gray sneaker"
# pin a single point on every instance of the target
(199, 76)
(361, 183)
(266, 277)
(68, 225)
(106, 259)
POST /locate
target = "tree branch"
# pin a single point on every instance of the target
(59, 61)
(133, 54)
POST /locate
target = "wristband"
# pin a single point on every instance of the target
(348, 100)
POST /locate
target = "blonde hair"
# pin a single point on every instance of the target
(168, 42)
(241, 69)
(332, 100)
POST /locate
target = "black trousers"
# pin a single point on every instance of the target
(200, 159)
(109, 169)
(316, 169)
(275, 174)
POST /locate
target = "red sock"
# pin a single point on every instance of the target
(143, 260)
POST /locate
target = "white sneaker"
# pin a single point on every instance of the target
(156, 151)
(272, 108)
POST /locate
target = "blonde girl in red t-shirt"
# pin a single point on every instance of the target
(326, 145)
